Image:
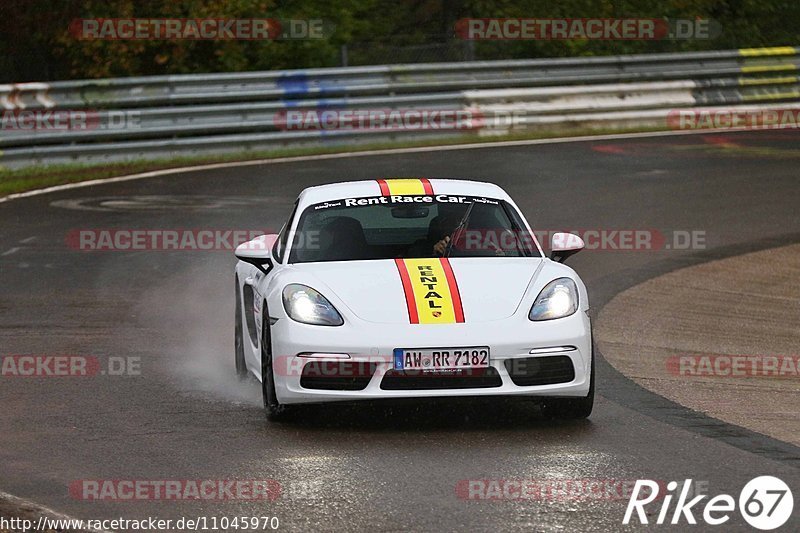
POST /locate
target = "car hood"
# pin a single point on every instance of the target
(489, 288)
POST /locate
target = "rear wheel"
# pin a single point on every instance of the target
(275, 410)
(238, 337)
(572, 408)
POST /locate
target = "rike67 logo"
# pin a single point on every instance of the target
(765, 503)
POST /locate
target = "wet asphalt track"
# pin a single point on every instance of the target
(371, 467)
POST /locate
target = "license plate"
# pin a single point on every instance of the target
(441, 358)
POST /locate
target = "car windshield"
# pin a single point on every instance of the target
(408, 227)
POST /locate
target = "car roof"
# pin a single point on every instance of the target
(365, 188)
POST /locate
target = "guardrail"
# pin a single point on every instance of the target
(166, 116)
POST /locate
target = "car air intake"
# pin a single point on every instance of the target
(529, 371)
(479, 378)
(337, 375)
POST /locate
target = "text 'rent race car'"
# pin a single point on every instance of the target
(412, 288)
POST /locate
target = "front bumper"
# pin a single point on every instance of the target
(366, 342)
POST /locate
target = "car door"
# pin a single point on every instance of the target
(254, 289)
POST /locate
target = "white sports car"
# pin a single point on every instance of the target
(412, 288)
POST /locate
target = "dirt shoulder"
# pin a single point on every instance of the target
(722, 338)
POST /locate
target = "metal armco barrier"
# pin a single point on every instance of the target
(202, 114)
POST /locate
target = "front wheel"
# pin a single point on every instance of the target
(572, 408)
(275, 410)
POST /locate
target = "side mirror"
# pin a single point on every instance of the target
(258, 252)
(563, 245)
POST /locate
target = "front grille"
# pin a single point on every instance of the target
(337, 375)
(480, 378)
(529, 371)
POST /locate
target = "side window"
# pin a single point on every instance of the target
(279, 248)
(525, 239)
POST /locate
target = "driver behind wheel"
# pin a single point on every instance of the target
(439, 230)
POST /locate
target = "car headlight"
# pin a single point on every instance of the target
(558, 299)
(306, 305)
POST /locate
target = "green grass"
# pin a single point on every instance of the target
(30, 178)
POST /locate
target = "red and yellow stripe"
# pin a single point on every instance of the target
(405, 187)
(431, 291)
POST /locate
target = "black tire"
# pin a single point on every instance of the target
(275, 410)
(238, 337)
(572, 408)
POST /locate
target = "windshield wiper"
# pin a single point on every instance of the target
(461, 225)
